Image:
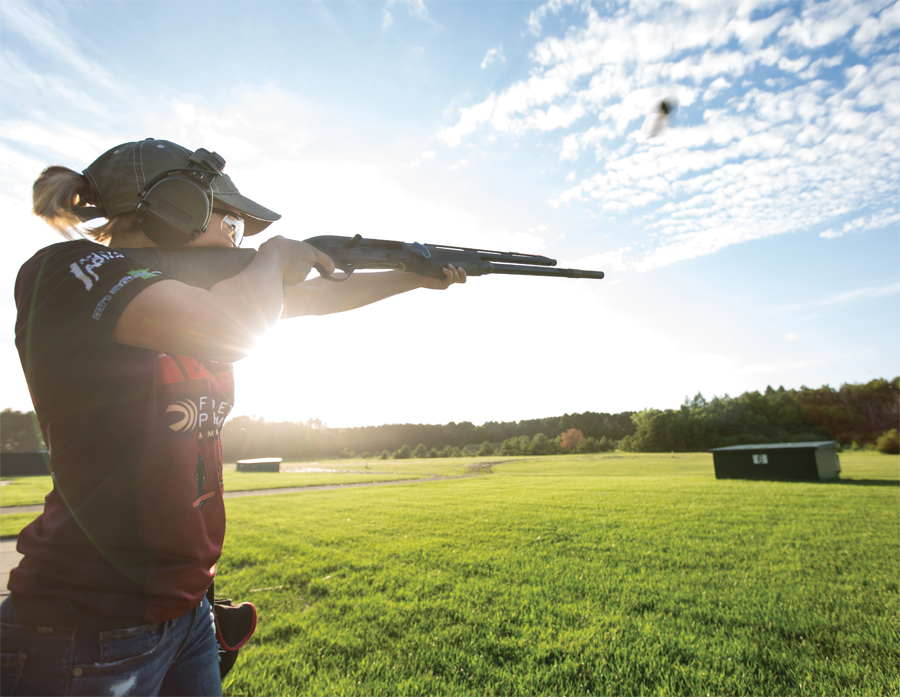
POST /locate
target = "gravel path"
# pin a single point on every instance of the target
(37, 508)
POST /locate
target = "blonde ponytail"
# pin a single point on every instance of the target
(58, 194)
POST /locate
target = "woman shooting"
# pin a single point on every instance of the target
(131, 378)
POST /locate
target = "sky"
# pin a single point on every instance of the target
(753, 241)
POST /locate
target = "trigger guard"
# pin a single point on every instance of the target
(328, 277)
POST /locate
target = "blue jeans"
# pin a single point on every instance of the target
(178, 657)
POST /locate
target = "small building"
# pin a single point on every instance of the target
(260, 464)
(24, 464)
(814, 461)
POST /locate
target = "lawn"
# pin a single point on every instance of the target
(29, 491)
(26, 491)
(345, 472)
(12, 524)
(597, 574)
(615, 574)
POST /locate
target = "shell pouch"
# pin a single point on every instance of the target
(235, 625)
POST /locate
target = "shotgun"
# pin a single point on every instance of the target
(206, 266)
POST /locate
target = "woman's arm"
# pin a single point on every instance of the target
(221, 324)
(321, 297)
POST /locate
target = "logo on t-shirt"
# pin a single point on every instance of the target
(133, 274)
(187, 414)
(83, 269)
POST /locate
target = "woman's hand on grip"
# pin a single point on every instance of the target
(298, 258)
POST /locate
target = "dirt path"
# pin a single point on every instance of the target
(37, 508)
(9, 560)
(328, 487)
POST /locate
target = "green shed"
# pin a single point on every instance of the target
(260, 464)
(814, 461)
(24, 464)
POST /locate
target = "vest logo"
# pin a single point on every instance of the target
(188, 416)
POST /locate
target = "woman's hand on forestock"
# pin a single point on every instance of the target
(299, 258)
(452, 274)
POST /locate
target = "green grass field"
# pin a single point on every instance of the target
(634, 574)
(24, 491)
(12, 524)
(601, 574)
(28, 491)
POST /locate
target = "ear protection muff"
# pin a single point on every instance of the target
(175, 206)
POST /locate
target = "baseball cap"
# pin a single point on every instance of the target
(119, 174)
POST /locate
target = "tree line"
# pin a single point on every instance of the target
(245, 437)
(852, 414)
(571, 441)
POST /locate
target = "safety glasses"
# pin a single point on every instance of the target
(233, 224)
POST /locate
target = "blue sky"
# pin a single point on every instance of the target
(753, 242)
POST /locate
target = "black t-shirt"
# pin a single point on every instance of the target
(135, 522)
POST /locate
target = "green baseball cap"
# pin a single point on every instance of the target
(119, 175)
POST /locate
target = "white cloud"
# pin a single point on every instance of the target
(850, 296)
(612, 260)
(468, 122)
(875, 221)
(784, 143)
(30, 22)
(823, 23)
(875, 27)
(536, 17)
(493, 54)
(716, 86)
(416, 8)
(67, 142)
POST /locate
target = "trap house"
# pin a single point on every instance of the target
(813, 461)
